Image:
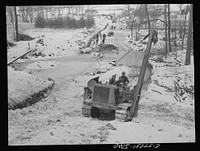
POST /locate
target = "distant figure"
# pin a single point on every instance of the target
(112, 80)
(97, 39)
(123, 79)
(103, 40)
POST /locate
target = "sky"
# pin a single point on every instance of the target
(107, 8)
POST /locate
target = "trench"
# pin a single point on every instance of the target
(32, 99)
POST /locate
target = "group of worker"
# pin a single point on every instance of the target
(122, 82)
(98, 36)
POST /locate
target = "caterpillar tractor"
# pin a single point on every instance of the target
(110, 102)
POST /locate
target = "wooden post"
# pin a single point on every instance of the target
(137, 92)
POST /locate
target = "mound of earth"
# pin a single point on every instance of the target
(107, 47)
(25, 89)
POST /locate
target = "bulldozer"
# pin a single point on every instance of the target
(112, 102)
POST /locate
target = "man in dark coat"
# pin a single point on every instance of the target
(123, 79)
(104, 38)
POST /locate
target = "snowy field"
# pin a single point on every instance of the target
(163, 116)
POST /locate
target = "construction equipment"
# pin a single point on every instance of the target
(111, 101)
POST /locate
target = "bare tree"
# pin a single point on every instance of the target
(166, 46)
(187, 58)
(30, 11)
(16, 24)
(169, 28)
(180, 21)
(184, 12)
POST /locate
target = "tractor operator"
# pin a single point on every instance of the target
(123, 79)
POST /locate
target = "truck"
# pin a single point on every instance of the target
(112, 102)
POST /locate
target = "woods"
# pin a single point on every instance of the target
(176, 24)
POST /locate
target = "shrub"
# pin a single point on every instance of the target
(90, 22)
(111, 33)
(72, 23)
(64, 22)
(40, 22)
(59, 22)
(50, 23)
(81, 23)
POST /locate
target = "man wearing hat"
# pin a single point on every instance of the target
(123, 79)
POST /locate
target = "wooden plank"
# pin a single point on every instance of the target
(19, 57)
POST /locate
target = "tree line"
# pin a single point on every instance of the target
(173, 23)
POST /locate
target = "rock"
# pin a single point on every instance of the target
(110, 126)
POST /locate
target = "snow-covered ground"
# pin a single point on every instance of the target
(53, 43)
(58, 119)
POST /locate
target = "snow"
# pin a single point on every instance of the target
(43, 65)
(64, 43)
(57, 119)
(158, 132)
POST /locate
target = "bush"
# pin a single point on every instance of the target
(40, 22)
(64, 22)
(50, 24)
(72, 23)
(59, 22)
(90, 22)
(81, 23)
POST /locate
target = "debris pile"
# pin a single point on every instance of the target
(184, 91)
(109, 47)
(111, 33)
(177, 79)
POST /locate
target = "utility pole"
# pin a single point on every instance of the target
(16, 24)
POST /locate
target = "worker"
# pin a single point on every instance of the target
(97, 38)
(123, 79)
(112, 80)
(104, 38)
